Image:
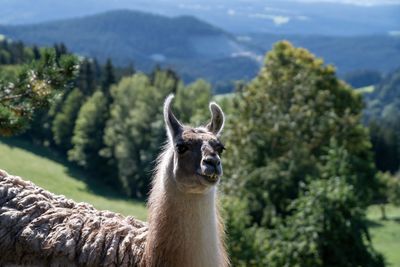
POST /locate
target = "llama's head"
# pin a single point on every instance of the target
(196, 151)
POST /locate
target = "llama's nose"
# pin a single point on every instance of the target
(212, 160)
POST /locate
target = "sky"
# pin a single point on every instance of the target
(355, 2)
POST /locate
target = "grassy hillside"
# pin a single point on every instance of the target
(51, 172)
(386, 234)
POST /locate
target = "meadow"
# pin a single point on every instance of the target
(50, 171)
(386, 233)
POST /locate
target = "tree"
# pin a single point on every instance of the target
(135, 130)
(382, 116)
(36, 52)
(87, 138)
(326, 228)
(385, 138)
(108, 77)
(64, 121)
(285, 119)
(86, 80)
(387, 192)
(192, 102)
(33, 88)
(300, 158)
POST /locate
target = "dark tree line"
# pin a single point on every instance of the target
(382, 116)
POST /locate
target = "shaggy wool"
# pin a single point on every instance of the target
(38, 228)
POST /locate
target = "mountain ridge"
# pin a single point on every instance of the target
(146, 40)
(197, 49)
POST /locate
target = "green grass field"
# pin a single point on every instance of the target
(386, 233)
(53, 173)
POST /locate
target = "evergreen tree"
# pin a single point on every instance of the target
(36, 52)
(33, 88)
(86, 80)
(382, 116)
(108, 77)
(64, 121)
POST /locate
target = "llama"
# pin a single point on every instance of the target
(184, 228)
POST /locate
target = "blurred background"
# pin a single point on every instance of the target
(311, 90)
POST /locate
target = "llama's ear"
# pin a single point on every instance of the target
(173, 126)
(217, 119)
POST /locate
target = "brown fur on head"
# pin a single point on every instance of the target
(196, 159)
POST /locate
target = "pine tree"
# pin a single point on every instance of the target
(86, 80)
(32, 89)
(108, 77)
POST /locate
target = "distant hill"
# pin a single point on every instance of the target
(371, 52)
(197, 49)
(143, 39)
(340, 17)
(383, 103)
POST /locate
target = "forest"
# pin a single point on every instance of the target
(306, 154)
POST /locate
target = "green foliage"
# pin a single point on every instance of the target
(389, 189)
(88, 133)
(192, 102)
(87, 78)
(135, 129)
(64, 121)
(33, 88)
(385, 138)
(12, 53)
(245, 243)
(108, 77)
(298, 166)
(394, 190)
(299, 155)
(284, 121)
(326, 228)
(382, 116)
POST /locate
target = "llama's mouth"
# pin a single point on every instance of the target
(212, 178)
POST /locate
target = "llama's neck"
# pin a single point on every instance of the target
(184, 229)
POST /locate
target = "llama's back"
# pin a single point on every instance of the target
(40, 228)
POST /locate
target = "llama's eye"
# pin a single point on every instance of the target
(220, 148)
(181, 148)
